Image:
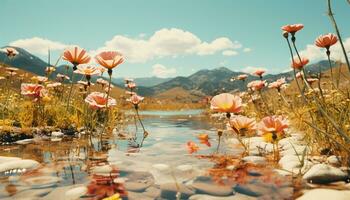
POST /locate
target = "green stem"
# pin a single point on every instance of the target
(71, 88)
(334, 23)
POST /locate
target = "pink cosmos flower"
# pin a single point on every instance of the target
(278, 83)
(259, 72)
(227, 103)
(296, 64)
(311, 80)
(76, 55)
(242, 124)
(292, 28)
(273, 124)
(53, 85)
(109, 59)
(87, 70)
(135, 99)
(39, 79)
(325, 41)
(11, 69)
(131, 85)
(9, 51)
(98, 100)
(242, 77)
(31, 90)
(102, 82)
(256, 85)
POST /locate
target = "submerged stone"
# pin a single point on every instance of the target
(326, 194)
(323, 173)
(18, 164)
(169, 190)
(205, 185)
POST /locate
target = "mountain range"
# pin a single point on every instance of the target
(202, 83)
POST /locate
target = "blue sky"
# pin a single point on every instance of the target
(171, 38)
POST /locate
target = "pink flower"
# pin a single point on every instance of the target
(325, 41)
(131, 85)
(76, 55)
(278, 83)
(109, 59)
(9, 51)
(135, 99)
(87, 70)
(259, 72)
(242, 125)
(296, 64)
(31, 90)
(61, 77)
(39, 79)
(53, 85)
(242, 77)
(128, 80)
(11, 69)
(256, 85)
(274, 125)
(292, 28)
(227, 103)
(102, 82)
(98, 100)
(311, 80)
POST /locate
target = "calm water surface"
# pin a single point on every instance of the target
(163, 154)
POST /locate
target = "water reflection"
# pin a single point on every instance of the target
(72, 159)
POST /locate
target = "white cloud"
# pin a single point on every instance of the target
(162, 72)
(167, 42)
(251, 69)
(314, 53)
(247, 50)
(229, 53)
(38, 45)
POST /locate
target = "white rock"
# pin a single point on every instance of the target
(161, 167)
(42, 181)
(55, 139)
(57, 134)
(297, 150)
(18, 164)
(237, 196)
(102, 169)
(255, 159)
(75, 193)
(323, 173)
(231, 167)
(334, 160)
(6, 159)
(120, 180)
(326, 194)
(25, 141)
(184, 167)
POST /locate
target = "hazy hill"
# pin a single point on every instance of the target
(201, 83)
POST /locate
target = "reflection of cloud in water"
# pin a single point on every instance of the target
(165, 150)
(161, 160)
